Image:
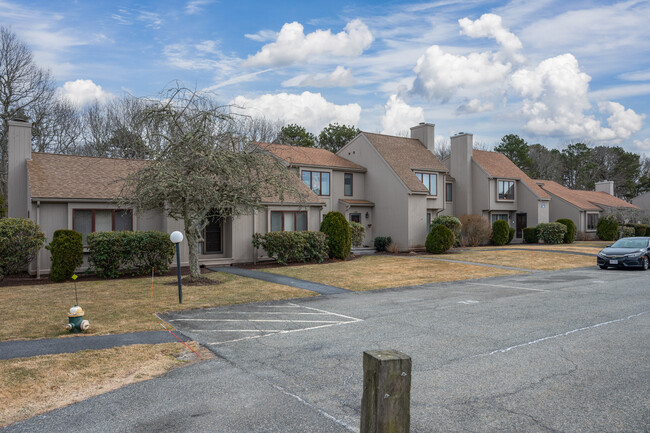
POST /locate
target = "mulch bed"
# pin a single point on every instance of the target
(24, 279)
(273, 264)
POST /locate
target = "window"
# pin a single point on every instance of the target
(355, 218)
(430, 181)
(506, 190)
(317, 181)
(499, 216)
(86, 221)
(288, 221)
(592, 222)
(347, 188)
(213, 235)
(448, 192)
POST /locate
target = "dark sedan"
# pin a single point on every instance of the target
(626, 253)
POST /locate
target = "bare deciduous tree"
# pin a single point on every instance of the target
(23, 87)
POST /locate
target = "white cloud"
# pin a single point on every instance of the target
(308, 109)
(340, 77)
(204, 56)
(636, 75)
(399, 116)
(262, 36)
(490, 26)
(293, 46)
(556, 98)
(643, 145)
(83, 92)
(195, 6)
(474, 106)
(440, 75)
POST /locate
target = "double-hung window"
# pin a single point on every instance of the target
(499, 216)
(430, 181)
(592, 222)
(506, 189)
(87, 221)
(317, 181)
(288, 221)
(449, 192)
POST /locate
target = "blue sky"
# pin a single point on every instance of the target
(550, 71)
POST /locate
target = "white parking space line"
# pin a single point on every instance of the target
(248, 319)
(509, 287)
(468, 302)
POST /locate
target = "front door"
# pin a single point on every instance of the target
(522, 220)
(213, 236)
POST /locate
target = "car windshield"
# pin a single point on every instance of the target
(630, 243)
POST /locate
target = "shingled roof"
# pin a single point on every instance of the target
(584, 200)
(405, 155)
(312, 156)
(498, 165)
(71, 177)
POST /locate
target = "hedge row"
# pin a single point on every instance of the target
(289, 247)
(20, 241)
(113, 254)
(551, 233)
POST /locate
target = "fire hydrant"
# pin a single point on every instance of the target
(75, 320)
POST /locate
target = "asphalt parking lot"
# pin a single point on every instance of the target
(556, 351)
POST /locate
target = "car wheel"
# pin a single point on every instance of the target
(603, 266)
(646, 263)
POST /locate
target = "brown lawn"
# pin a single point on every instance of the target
(122, 305)
(536, 260)
(382, 271)
(31, 386)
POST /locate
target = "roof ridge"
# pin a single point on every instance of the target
(89, 156)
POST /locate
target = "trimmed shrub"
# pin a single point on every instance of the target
(439, 239)
(151, 249)
(357, 234)
(640, 230)
(500, 232)
(570, 234)
(511, 234)
(291, 247)
(551, 233)
(337, 229)
(113, 254)
(625, 232)
(475, 230)
(451, 222)
(20, 240)
(67, 254)
(607, 228)
(530, 235)
(382, 243)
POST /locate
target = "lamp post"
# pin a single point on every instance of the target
(177, 238)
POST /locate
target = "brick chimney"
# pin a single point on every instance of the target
(605, 186)
(425, 133)
(460, 167)
(19, 151)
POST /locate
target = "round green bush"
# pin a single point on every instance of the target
(640, 230)
(451, 222)
(20, 241)
(67, 254)
(511, 234)
(439, 240)
(570, 234)
(382, 242)
(607, 228)
(500, 232)
(337, 229)
(530, 235)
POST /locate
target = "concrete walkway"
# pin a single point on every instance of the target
(542, 250)
(323, 289)
(52, 346)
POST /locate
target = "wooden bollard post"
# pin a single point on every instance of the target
(386, 401)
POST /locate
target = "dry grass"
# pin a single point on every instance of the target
(31, 386)
(378, 272)
(545, 261)
(118, 306)
(592, 247)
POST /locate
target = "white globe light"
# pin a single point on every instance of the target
(176, 237)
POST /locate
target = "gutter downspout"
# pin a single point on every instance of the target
(38, 256)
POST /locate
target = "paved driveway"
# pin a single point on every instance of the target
(558, 351)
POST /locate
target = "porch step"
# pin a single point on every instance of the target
(363, 251)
